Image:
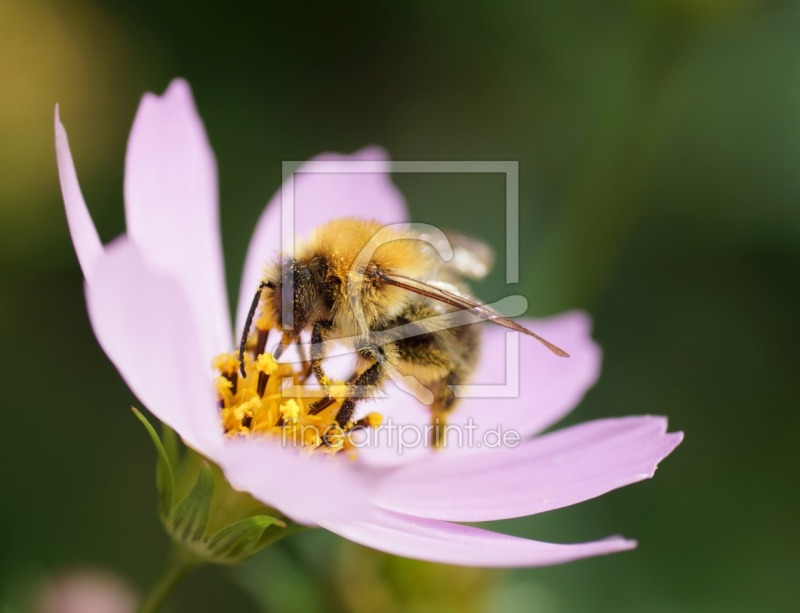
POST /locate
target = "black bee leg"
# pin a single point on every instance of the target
(363, 384)
(358, 388)
(318, 350)
(317, 357)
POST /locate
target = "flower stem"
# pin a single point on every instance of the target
(179, 564)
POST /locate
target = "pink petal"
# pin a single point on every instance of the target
(308, 488)
(438, 541)
(402, 438)
(84, 235)
(316, 198)
(549, 387)
(553, 471)
(141, 296)
(142, 320)
(171, 206)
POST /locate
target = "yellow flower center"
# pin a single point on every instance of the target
(268, 401)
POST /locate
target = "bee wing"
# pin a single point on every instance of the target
(483, 311)
(472, 258)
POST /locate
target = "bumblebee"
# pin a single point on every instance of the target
(388, 292)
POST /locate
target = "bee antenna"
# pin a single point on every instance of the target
(249, 322)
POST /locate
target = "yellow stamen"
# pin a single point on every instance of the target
(266, 363)
(374, 420)
(290, 410)
(276, 412)
(226, 364)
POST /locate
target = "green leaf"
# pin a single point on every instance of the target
(241, 538)
(190, 516)
(171, 444)
(165, 477)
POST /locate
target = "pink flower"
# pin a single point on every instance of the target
(157, 301)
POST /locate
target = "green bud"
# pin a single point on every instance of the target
(242, 539)
(189, 518)
(211, 522)
(165, 477)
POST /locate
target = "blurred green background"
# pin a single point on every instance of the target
(658, 144)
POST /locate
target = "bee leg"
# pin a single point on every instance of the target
(443, 403)
(362, 384)
(318, 350)
(305, 373)
(317, 357)
(359, 388)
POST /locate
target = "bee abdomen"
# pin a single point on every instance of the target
(433, 355)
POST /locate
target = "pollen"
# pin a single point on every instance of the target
(273, 400)
(374, 420)
(265, 363)
(226, 364)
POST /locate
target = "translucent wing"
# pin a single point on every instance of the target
(472, 258)
(461, 302)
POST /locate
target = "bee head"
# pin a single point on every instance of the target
(301, 281)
